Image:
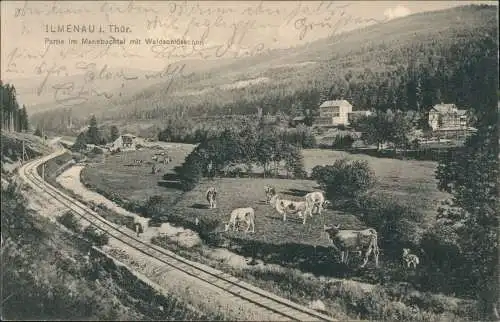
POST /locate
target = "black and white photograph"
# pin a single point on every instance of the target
(249, 160)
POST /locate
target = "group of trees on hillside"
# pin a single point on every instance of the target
(188, 131)
(14, 118)
(247, 147)
(386, 127)
(93, 135)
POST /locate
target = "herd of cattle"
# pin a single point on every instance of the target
(343, 240)
(158, 158)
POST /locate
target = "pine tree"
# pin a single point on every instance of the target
(93, 136)
(24, 119)
(80, 143)
(114, 133)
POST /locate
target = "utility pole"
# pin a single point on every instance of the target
(22, 159)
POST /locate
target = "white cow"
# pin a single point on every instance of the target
(353, 241)
(316, 200)
(284, 207)
(241, 214)
(410, 259)
(211, 195)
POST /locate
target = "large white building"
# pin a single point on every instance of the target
(334, 113)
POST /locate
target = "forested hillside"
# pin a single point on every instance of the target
(14, 118)
(407, 63)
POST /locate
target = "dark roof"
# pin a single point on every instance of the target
(444, 108)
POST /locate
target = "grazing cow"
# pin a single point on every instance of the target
(138, 228)
(316, 200)
(285, 207)
(353, 241)
(138, 161)
(410, 259)
(241, 214)
(211, 195)
(270, 192)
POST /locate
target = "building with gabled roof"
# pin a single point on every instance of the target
(447, 116)
(334, 113)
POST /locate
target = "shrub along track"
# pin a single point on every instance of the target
(270, 305)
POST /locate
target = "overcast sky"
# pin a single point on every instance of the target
(26, 51)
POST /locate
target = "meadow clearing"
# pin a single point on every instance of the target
(410, 183)
(119, 174)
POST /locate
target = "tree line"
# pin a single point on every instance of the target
(14, 117)
(244, 149)
(192, 131)
(393, 127)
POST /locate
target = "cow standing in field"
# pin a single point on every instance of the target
(410, 259)
(270, 192)
(316, 200)
(353, 241)
(284, 207)
(241, 214)
(211, 195)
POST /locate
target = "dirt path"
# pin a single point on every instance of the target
(70, 179)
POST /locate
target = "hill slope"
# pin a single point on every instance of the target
(408, 63)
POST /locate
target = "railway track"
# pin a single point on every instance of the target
(277, 307)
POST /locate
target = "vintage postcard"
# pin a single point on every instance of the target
(249, 160)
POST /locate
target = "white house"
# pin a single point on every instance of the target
(333, 113)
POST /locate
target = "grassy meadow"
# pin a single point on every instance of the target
(120, 175)
(410, 183)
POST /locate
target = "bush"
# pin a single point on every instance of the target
(235, 172)
(152, 206)
(96, 237)
(191, 170)
(342, 142)
(395, 223)
(97, 150)
(347, 179)
(69, 221)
